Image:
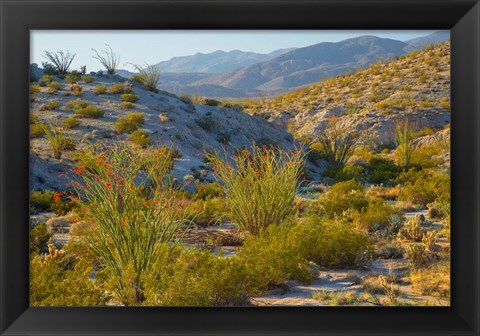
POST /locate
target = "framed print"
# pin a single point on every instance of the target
(239, 168)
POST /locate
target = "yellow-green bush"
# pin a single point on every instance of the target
(71, 122)
(100, 90)
(55, 282)
(39, 237)
(423, 187)
(122, 125)
(88, 79)
(141, 138)
(54, 87)
(129, 97)
(127, 105)
(343, 196)
(90, 112)
(41, 200)
(117, 88)
(50, 105)
(76, 103)
(331, 243)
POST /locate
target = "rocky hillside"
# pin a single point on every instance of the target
(179, 124)
(416, 86)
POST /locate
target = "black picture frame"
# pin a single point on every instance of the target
(18, 17)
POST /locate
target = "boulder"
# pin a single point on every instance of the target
(57, 225)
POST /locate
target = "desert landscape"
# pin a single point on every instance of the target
(313, 176)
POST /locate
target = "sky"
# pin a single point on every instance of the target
(140, 47)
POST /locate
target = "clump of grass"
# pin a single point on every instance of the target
(100, 90)
(72, 78)
(129, 97)
(260, 186)
(127, 105)
(54, 87)
(130, 123)
(76, 103)
(88, 79)
(433, 280)
(50, 105)
(90, 112)
(71, 122)
(117, 88)
(34, 89)
(140, 138)
(58, 142)
(163, 118)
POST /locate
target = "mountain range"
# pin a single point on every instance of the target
(237, 74)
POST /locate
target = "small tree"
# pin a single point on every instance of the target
(108, 58)
(404, 134)
(149, 75)
(61, 60)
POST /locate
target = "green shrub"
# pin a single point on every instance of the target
(267, 178)
(273, 256)
(100, 90)
(89, 112)
(39, 238)
(424, 187)
(206, 122)
(331, 243)
(123, 125)
(71, 122)
(72, 78)
(88, 79)
(58, 142)
(208, 211)
(343, 196)
(117, 88)
(36, 130)
(34, 89)
(76, 103)
(55, 282)
(54, 87)
(211, 190)
(141, 138)
(127, 105)
(41, 200)
(192, 277)
(45, 80)
(130, 123)
(136, 118)
(380, 170)
(50, 105)
(129, 97)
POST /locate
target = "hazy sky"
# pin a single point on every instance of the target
(154, 46)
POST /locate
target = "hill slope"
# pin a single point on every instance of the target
(416, 86)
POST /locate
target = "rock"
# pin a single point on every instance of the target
(79, 227)
(57, 224)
